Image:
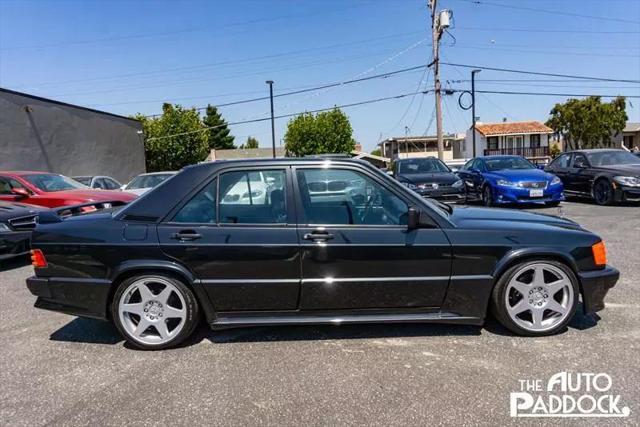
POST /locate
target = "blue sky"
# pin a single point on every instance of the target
(130, 56)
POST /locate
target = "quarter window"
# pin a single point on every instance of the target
(346, 197)
(253, 197)
(201, 209)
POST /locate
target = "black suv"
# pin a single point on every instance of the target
(277, 242)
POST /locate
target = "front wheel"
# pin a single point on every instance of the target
(536, 298)
(487, 196)
(603, 192)
(153, 312)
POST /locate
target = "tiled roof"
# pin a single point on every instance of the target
(631, 127)
(488, 129)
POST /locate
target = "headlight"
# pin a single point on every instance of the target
(459, 183)
(409, 185)
(4, 228)
(254, 194)
(630, 181)
(505, 183)
(555, 181)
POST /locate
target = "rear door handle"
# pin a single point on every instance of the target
(186, 236)
(318, 236)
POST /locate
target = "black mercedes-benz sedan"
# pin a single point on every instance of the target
(247, 243)
(429, 177)
(17, 221)
(606, 175)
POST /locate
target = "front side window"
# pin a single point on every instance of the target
(580, 161)
(253, 197)
(347, 197)
(561, 162)
(201, 209)
(50, 182)
(7, 185)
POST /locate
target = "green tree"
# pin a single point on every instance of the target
(326, 132)
(588, 123)
(377, 152)
(175, 139)
(219, 134)
(251, 143)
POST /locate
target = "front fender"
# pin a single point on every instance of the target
(521, 254)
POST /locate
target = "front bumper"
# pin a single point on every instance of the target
(78, 297)
(595, 285)
(627, 194)
(442, 193)
(511, 195)
(14, 243)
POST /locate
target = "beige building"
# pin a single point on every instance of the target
(630, 136)
(406, 147)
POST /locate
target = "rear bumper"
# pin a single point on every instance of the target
(78, 297)
(14, 243)
(595, 285)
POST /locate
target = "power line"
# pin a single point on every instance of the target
(497, 92)
(546, 30)
(536, 73)
(282, 116)
(553, 12)
(315, 88)
(222, 63)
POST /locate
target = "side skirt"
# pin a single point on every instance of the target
(236, 320)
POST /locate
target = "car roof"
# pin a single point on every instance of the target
(159, 173)
(500, 156)
(22, 173)
(594, 150)
(278, 160)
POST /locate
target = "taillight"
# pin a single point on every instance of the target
(599, 253)
(37, 259)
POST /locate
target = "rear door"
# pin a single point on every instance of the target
(237, 234)
(356, 250)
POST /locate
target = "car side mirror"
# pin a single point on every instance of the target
(413, 219)
(22, 193)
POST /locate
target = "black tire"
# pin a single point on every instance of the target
(487, 196)
(498, 299)
(603, 192)
(191, 307)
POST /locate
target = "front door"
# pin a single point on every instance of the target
(356, 250)
(237, 235)
(579, 175)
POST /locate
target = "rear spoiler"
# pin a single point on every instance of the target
(58, 214)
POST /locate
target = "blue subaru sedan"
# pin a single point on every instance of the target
(498, 180)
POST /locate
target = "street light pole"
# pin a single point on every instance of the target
(273, 129)
(473, 108)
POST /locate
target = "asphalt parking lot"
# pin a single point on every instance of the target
(57, 369)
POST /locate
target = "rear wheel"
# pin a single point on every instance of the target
(603, 192)
(154, 312)
(536, 298)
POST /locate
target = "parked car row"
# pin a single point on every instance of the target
(606, 175)
(25, 194)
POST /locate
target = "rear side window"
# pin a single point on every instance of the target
(201, 208)
(253, 197)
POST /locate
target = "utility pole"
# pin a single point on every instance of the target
(473, 109)
(437, 28)
(273, 128)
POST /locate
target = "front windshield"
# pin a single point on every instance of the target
(50, 182)
(501, 163)
(613, 157)
(421, 166)
(147, 181)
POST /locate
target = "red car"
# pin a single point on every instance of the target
(52, 190)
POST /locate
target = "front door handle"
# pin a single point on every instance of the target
(318, 236)
(186, 236)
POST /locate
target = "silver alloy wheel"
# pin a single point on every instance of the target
(539, 297)
(152, 310)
